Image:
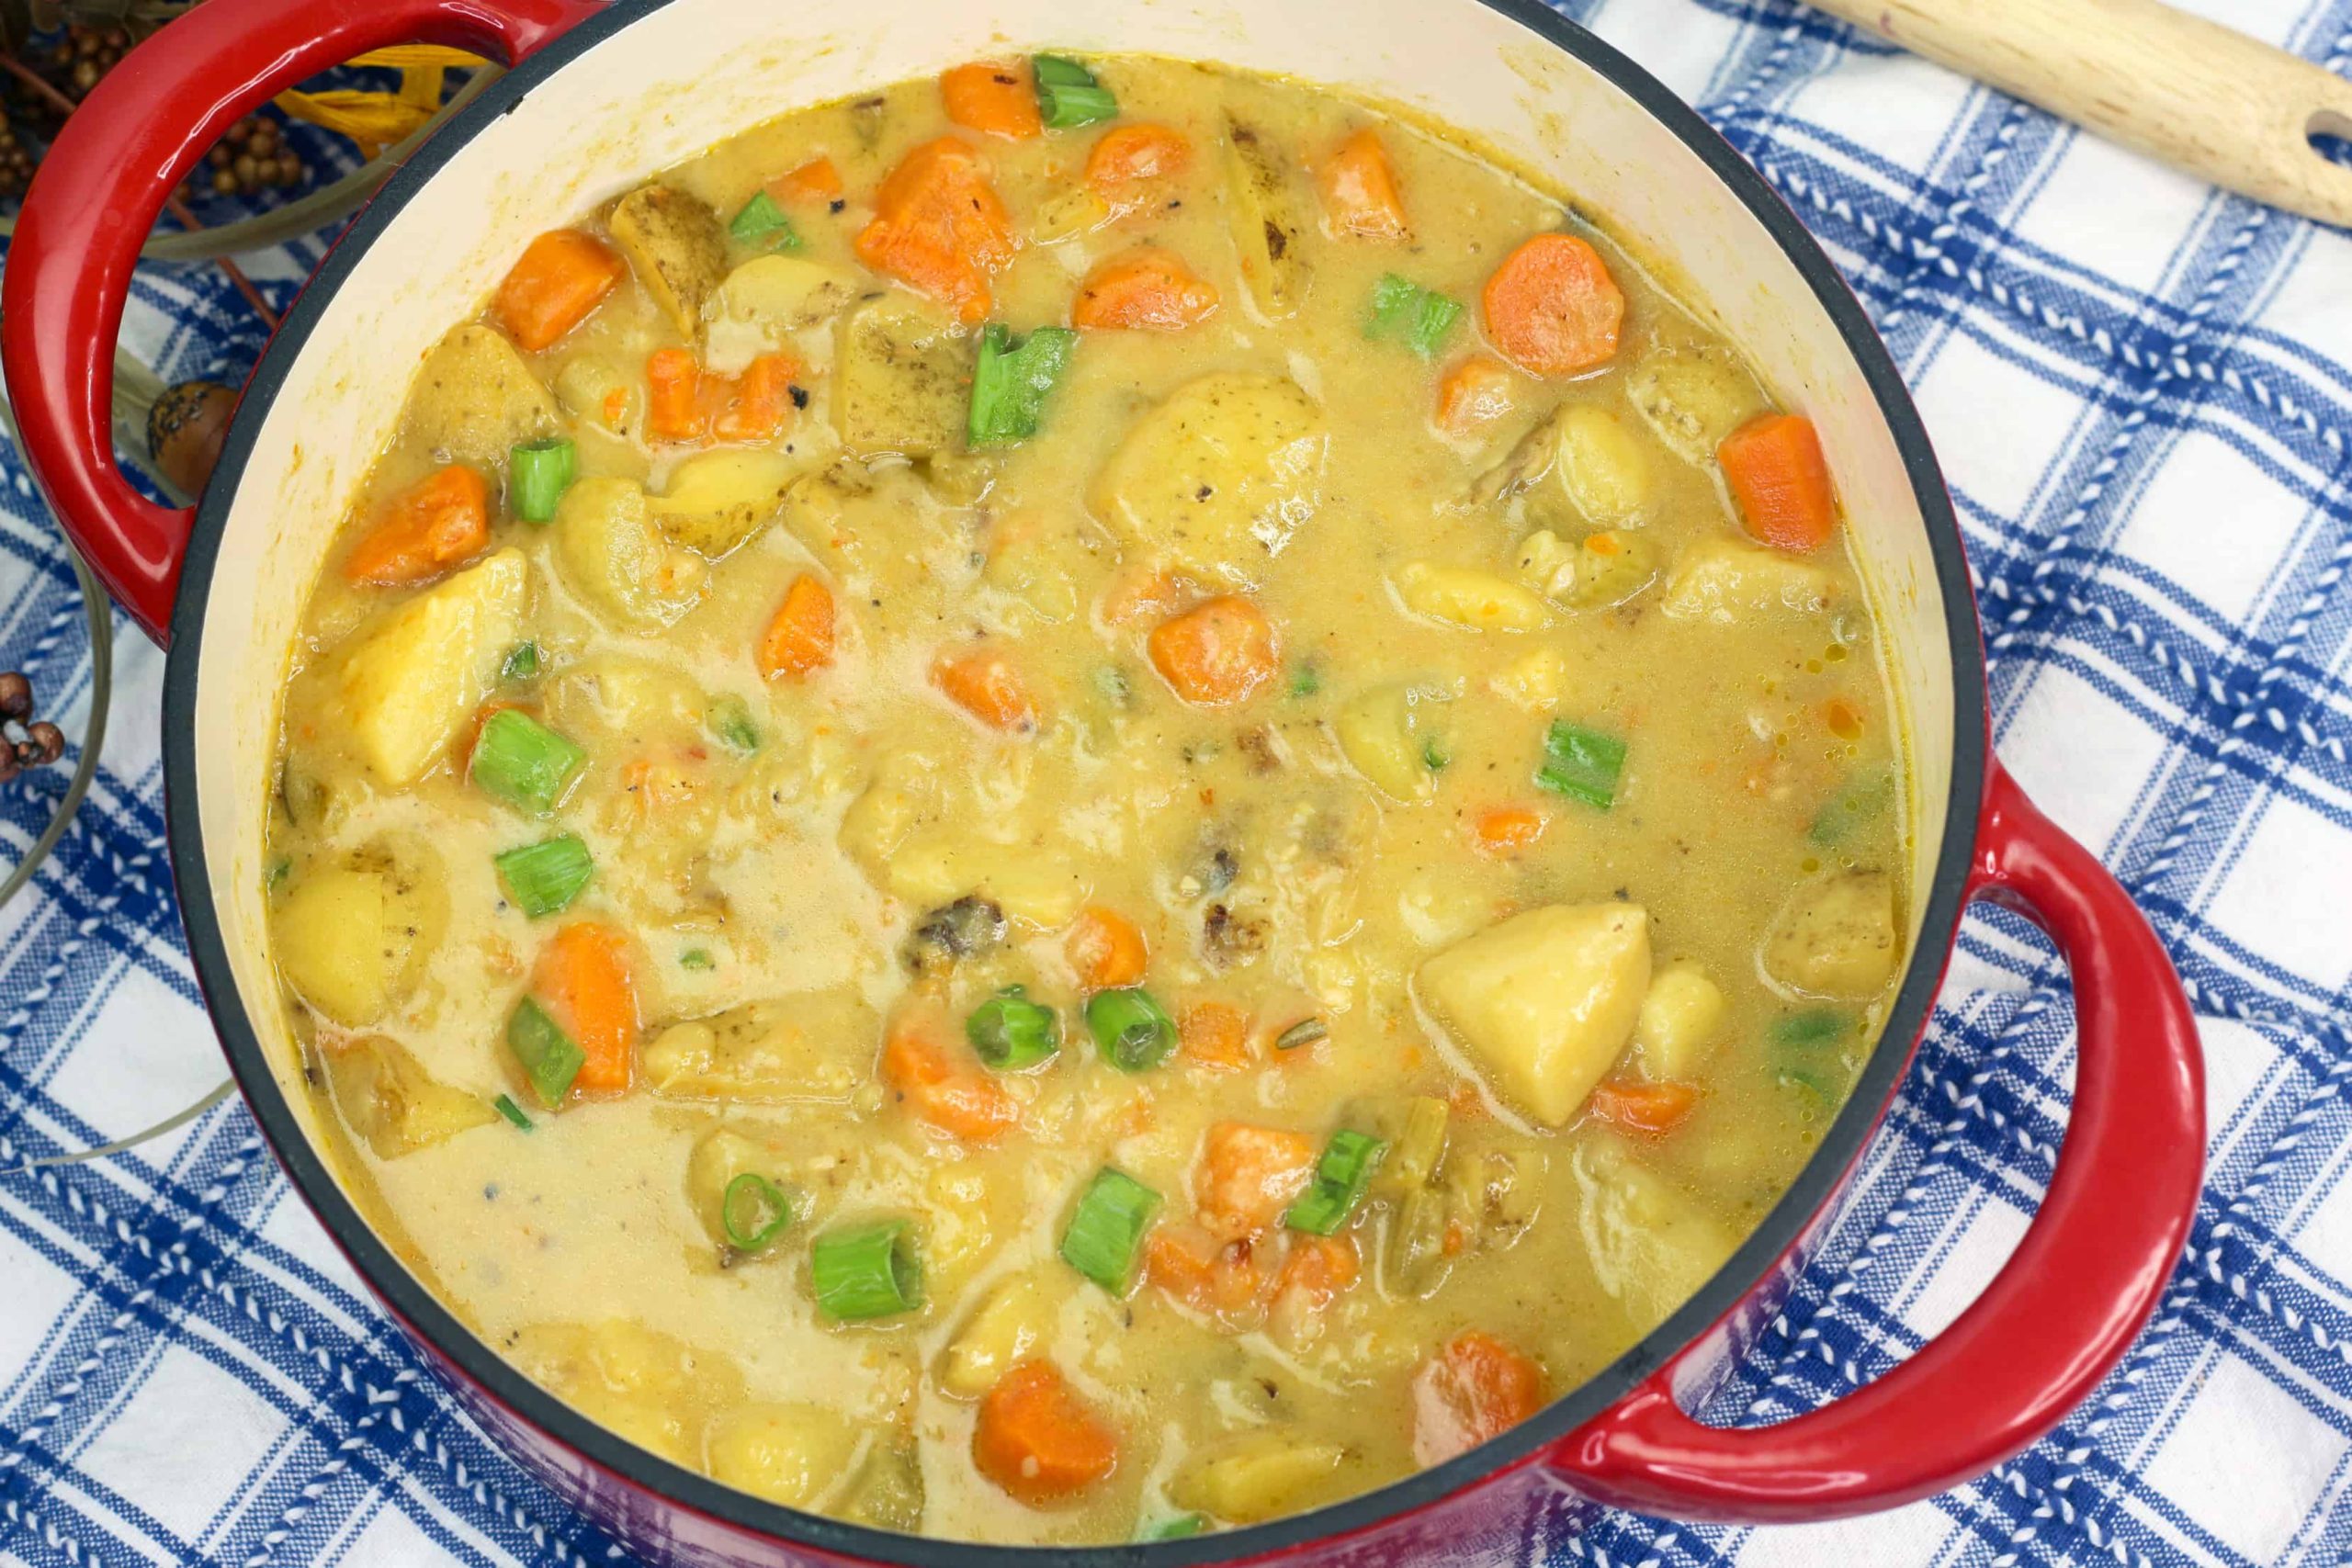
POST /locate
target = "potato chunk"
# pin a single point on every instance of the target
(798, 1455)
(1465, 597)
(902, 380)
(1836, 937)
(1385, 734)
(1545, 1000)
(1725, 581)
(1219, 476)
(474, 398)
(1259, 1476)
(716, 1159)
(717, 502)
(1693, 398)
(1264, 211)
(352, 936)
(1652, 1247)
(608, 551)
(644, 1384)
(1008, 1326)
(813, 1047)
(409, 685)
(763, 302)
(392, 1102)
(1676, 1025)
(675, 246)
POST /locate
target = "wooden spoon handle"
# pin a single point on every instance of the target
(2211, 102)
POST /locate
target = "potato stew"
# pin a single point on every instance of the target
(1082, 803)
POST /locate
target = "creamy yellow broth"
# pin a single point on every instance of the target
(1593, 1059)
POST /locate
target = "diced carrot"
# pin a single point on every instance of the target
(1037, 1439)
(1605, 544)
(1779, 477)
(799, 639)
(1106, 949)
(939, 228)
(664, 781)
(563, 276)
(1507, 829)
(428, 528)
(987, 684)
(1226, 1280)
(582, 980)
(1215, 1034)
(995, 100)
(957, 1099)
(1147, 289)
(1654, 1108)
(1474, 1389)
(1552, 308)
(758, 402)
(813, 183)
(1360, 194)
(1247, 1176)
(1127, 159)
(673, 409)
(1215, 653)
(1477, 391)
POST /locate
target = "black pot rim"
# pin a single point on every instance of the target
(1815, 1186)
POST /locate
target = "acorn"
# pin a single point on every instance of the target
(184, 430)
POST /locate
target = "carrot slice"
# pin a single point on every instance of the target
(429, 528)
(673, 409)
(1037, 1439)
(1552, 306)
(582, 980)
(1217, 653)
(960, 1101)
(1317, 1269)
(1226, 1280)
(799, 639)
(1106, 949)
(562, 278)
(1360, 194)
(1477, 391)
(1779, 477)
(815, 181)
(1147, 289)
(1215, 1034)
(1654, 1108)
(1247, 1176)
(995, 100)
(1128, 158)
(757, 402)
(987, 685)
(1507, 829)
(1474, 1389)
(939, 228)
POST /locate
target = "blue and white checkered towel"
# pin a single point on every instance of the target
(2141, 393)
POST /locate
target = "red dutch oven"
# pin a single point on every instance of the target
(599, 97)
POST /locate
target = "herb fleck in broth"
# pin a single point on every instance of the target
(1110, 819)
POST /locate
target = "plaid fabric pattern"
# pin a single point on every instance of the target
(2139, 392)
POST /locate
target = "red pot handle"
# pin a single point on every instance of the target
(2059, 1315)
(95, 198)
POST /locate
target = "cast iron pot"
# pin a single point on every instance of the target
(599, 99)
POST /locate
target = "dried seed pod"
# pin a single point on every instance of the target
(15, 695)
(43, 744)
(184, 430)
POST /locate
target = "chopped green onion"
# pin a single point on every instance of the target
(522, 664)
(1811, 1028)
(1434, 756)
(695, 958)
(1012, 379)
(279, 870)
(1106, 1234)
(729, 717)
(761, 222)
(1811, 1085)
(1422, 316)
(1340, 1178)
(1183, 1526)
(523, 762)
(1305, 1032)
(1067, 94)
(866, 1271)
(1010, 1031)
(549, 1057)
(1581, 764)
(1133, 1032)
(1306, 681)
(1852, 806)
(1112, 682)
(544, 878)
(504, 1105)
(537, 473)
(753, 1212)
